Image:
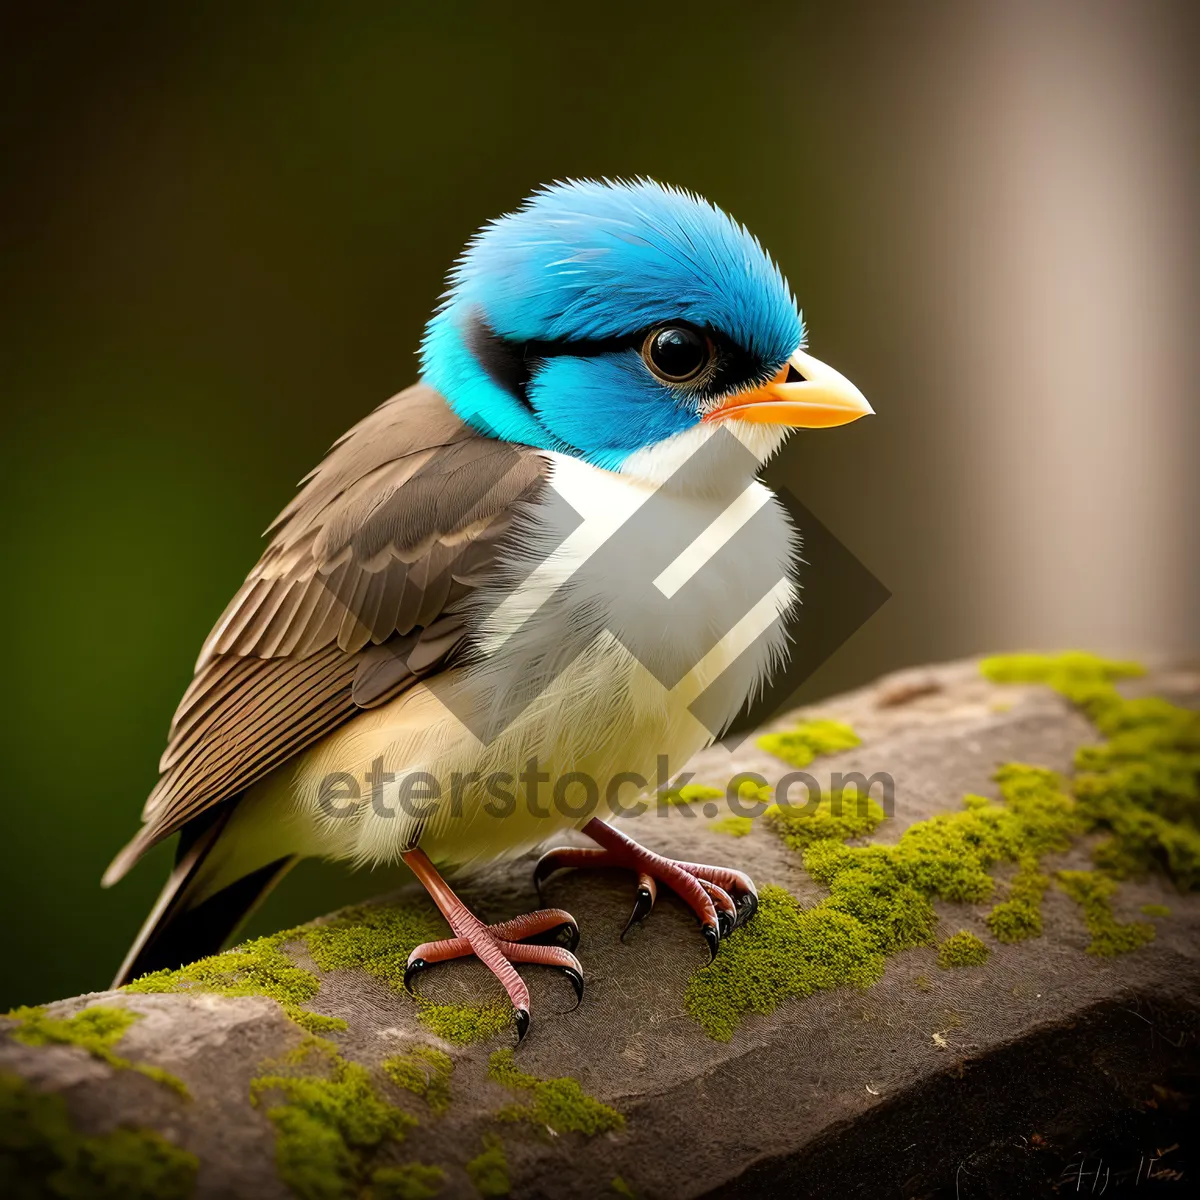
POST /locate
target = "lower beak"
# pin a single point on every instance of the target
(806, 394)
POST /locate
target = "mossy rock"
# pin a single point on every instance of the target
(1012, 937)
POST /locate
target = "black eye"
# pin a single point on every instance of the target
(677, 353)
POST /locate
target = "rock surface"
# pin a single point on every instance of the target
(921, 1084)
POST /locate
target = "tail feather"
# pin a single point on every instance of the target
(183, 927)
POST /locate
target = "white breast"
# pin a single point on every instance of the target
(558, 627)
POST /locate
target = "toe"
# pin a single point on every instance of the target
(553, 926)
(429, 953)
(548, 956)
(564, 857)
(725, 908)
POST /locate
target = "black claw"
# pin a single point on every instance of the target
(417, 964)
(542, 871)
(747, 906)
(577, 983)
(725, 922)
(712, 936)
(572, 935)
(643, 902)
(521, 1016)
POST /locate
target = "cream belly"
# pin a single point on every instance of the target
(604, 716)
(601, 721)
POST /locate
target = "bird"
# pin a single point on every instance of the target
(439, 603)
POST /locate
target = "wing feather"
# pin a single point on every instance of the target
(355, 598)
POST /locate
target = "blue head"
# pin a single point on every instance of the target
(601, 319)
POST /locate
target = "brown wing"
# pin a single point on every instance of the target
(355, 598)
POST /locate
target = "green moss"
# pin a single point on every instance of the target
(488, 1171)
(318, 1023)
(689, 793)
(947, 856)
(1093, 893)
(41, 1154)
(412, 1181)
(1071, 669)
(880, 897)
(754, 793)
(922, 984)
(256, 968)
(97, 1030)
(425, 1071)
(962, 949)
(330, 1123)
(1141, 786)
(558, 1105)
(1155, 910)
(801, 745)
(830, 817)
(621, 1188)
(891, 912)
(889, 889)
(786, 950)
(462, 1024)
(1020, 916)
(733, 826)
(376, 938)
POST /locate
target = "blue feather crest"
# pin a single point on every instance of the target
(595, 259)
(588, 260)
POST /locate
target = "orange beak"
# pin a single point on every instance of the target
(806, 394)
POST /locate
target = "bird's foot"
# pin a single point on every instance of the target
(498, 947)
(721, 897)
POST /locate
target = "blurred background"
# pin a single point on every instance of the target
(223, 227)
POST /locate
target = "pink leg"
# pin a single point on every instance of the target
(721, 897)
(498, 947)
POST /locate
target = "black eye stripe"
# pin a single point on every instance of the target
(510, 363)
(503, 361)
(582, 347)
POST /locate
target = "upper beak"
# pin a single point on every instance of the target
(806, 394)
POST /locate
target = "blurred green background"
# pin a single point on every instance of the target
(223, 227)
